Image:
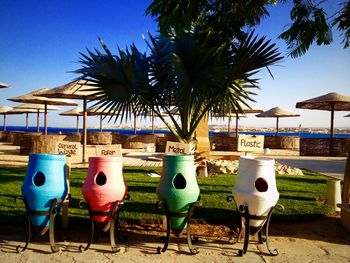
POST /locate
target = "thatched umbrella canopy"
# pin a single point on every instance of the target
(330, 102)
(3, 111)
(74, 112)
(277, 113)
(34, 97)
(38, 108)
(33, 106)
(79, 89)
(4, 85)
(16, 110)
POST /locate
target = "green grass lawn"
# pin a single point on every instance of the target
(302, 196)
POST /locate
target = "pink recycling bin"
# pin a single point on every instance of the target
(104, 185)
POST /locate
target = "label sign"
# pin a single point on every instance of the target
(109, 150)
(68, 148)
(177, 147)
(250, 143)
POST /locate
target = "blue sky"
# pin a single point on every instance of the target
(41, 41)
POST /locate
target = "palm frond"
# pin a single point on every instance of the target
(309, 25)
(342, 21)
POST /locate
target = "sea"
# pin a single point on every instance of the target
(55, 130)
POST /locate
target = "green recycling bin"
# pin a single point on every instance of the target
(178, 188)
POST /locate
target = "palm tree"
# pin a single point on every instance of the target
(180, 71)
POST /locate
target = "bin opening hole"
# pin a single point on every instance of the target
(261, 185)
(101, 178)
(39, 179)
(179, 181)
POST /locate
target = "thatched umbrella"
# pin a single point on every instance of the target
(74, 112)
(330, 102)
(24, 111)
(101, 111)
(79, 89)
(231, 115)
(4, 85)
(38, 108)
(237, 115)
(153, 116)
(277, 113)
(3, 111)
(33, 97)
(150, 114)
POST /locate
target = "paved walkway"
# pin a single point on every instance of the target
(10, 156)
(329, 166)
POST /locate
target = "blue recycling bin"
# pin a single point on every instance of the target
(45, 181)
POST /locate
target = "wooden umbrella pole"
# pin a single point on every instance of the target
(101, 123)
(229, 124)
(37, 121)
(236, 125)
(77, 123)
(4, 121)
(45, 120)
(134, 123)
(277, 126)
(27, 121)
(332, 120)
(84, 127)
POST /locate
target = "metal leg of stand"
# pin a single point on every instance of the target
(113, 225)
(273, 252)
(92, 228)
(121, 239)
(189, 240)
(234, 239)
(92, 234)
(115, 248)
(28, 231)
(239, 236)
(246, 234)
(262, 234)
(52, 212)
(163, 206)
(114, 216)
